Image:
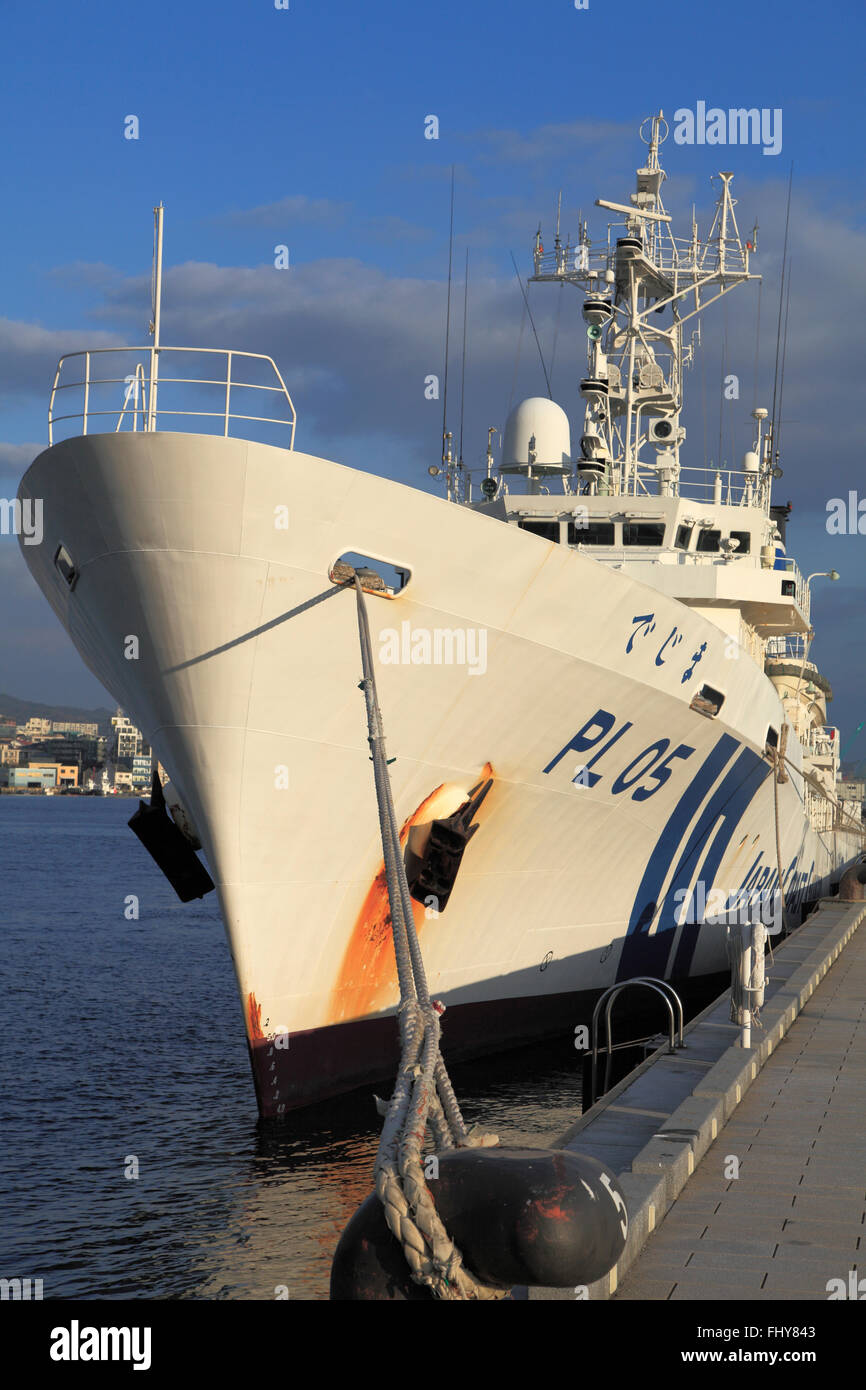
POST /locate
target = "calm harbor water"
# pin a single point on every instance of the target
(123, 1040)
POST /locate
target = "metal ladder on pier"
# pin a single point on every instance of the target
(675, 1036)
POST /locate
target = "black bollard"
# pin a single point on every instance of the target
(544, 1217)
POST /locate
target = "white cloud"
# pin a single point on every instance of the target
(287, 211)
(15, 458)
(29, 354)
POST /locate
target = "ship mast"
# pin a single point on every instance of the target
(633, 390)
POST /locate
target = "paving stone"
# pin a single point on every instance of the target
(832, 1206)
(760, 1247)
(646, 1290)
(812, 1284)
(711, 1288)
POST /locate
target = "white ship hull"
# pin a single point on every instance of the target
(245, 683)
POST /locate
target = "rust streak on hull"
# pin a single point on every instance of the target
(254, 1019)
(367, 979)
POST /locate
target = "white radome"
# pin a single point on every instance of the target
(540, 425)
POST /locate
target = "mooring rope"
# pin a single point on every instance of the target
(423, 1094)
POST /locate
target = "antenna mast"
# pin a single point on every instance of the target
(446, 437)
(463, 359)
(156, 289)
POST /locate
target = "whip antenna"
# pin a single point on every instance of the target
(463, 361)
(446, 452)
(781, 302)
(532, 322)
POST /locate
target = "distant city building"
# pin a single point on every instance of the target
(68, 748)
(128, 740)
(65, 774)
(28, 778)
(142, 770)
(9, 754)
(35, 726)
(65, 727)
(851, 789)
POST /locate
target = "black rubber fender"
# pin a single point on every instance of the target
(169, 847)
(545, 1217)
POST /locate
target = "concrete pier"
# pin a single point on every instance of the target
(744, 1170)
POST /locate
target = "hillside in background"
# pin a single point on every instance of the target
(21, 710)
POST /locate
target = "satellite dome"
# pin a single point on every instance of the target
(539, 427)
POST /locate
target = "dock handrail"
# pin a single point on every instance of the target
(145, 415)
(607, 999)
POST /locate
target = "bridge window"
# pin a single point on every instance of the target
(684, 535)
(745, 539)
(593, 533)
(643, 533)
(548, 530)
(708, 542)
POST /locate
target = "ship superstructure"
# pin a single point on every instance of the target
(607, 652)
(708, 536)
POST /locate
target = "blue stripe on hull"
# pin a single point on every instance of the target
(646, 951)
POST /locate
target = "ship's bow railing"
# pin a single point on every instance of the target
(196, 390)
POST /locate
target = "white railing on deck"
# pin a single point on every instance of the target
(717, 487)
(726, 487)
(133, 407)
(790, 647)
(823, 742)
(801, 589)
(674, 256)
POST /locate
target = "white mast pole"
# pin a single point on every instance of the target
(157, 309)
(630, 450)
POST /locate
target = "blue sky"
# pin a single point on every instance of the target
(305, 126)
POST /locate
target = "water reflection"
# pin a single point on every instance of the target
(123, 1040)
